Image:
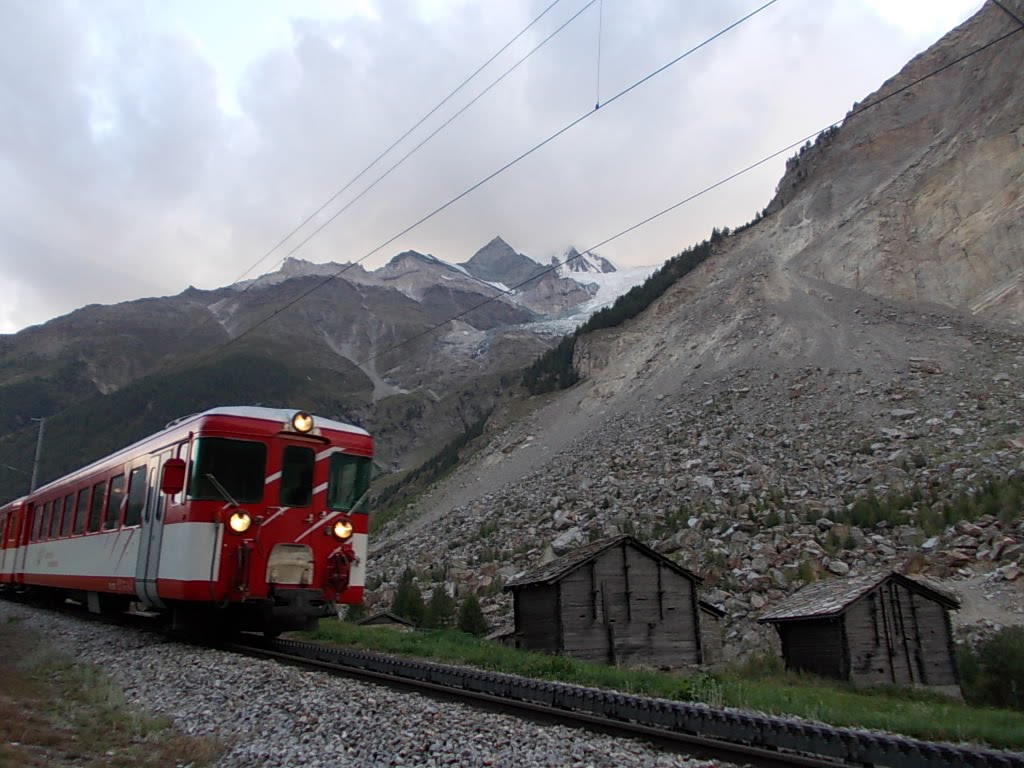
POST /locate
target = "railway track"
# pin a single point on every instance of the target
(696, 729)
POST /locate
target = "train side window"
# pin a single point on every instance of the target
(44, 530)
(55, 520)
(37, 523)
(99, 492)
(296, 476)
(114, 503)
(82, 511)
(69, 515)
(136, 496)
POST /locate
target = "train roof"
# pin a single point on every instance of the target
(276, 415)
(273, 415)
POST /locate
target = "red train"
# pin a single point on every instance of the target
(240, 517)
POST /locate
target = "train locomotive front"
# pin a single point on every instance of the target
(242, 518)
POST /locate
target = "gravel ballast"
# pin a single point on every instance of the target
(273, 715)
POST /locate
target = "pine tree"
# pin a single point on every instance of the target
(408, 600)
(440, 610)
(471, 618)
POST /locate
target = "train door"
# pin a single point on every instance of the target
(6, 550)
(152, 532)
(22, 530)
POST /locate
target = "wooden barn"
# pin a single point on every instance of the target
(613, 601)
(881, 629)
(711, 634)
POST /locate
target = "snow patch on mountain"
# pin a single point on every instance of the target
(610, 286)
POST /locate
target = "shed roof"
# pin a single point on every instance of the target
(556, 570)
(385, 617)
(833, 597)
(714, 610)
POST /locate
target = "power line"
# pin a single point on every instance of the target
(397, 141)
(554, 266)
(499, 171)
(1010, 13)
(597, 84)
(430, 136)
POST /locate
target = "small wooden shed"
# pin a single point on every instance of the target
(711, 635)
(880, 629)
(613, 601)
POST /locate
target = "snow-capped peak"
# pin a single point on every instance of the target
(572, 262)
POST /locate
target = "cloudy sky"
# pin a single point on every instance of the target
(149, 146)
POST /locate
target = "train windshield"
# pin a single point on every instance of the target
(350, 477)
(239, 466)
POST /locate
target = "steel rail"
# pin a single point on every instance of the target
(699, 729)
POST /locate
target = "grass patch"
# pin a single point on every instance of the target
(56, 712)
(762, 687)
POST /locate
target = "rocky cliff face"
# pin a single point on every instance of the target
(841, 355)
(921, 198)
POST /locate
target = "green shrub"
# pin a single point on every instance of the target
(471, 618)
(994, 676)
(408, 600)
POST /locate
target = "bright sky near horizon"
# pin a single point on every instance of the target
(152, 145)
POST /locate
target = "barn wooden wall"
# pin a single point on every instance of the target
(897, 636)
(624, 607)
(814, 645)
(537, 618)
(710, 637)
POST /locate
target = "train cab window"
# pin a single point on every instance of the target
(55, 519)
(82, 511)
(297, 476)
(350, 477)
(99, 493)
(69, 515)
(136, 496)
(238, 466)
(114, 503)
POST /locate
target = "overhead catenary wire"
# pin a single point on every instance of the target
(1009, 13)
(690, 198)
(429, 136)
(396, 142)
(600, 25)
(287, 305)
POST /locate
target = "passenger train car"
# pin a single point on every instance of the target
(244, 516)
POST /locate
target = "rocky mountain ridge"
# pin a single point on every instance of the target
(341, 348)
(836, 390)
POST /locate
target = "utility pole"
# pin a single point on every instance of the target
(39, 450)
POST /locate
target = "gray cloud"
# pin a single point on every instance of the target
(122, 174)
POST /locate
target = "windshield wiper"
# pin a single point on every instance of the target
(221, 490)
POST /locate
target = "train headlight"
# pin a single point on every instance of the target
(342, 530)
(302, 422)
(240, 521)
